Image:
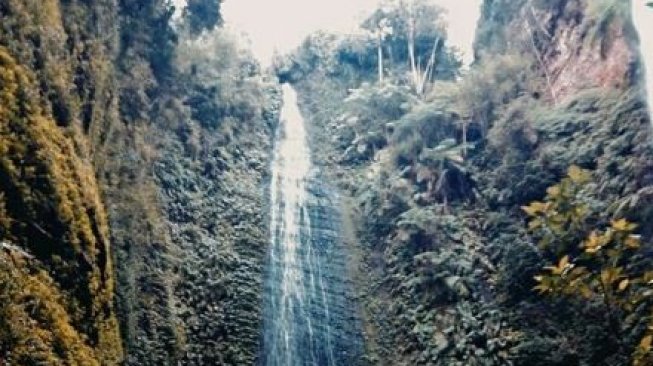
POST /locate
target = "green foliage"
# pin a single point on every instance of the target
(355, 56)
(198, 131)
(593, 261)
(422, 15)
(222, 79)
(146, 34)
(369, 109)
(321, 52)
(377, 104)
(493, 33)
(203, 15)
(447, 151)
(426, 139)
(426, 126)
(598, 128)
(357, 51)
(489, 87)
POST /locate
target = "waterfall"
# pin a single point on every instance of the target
(643, 18)
(307, 317)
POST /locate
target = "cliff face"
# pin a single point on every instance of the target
(578, 44)
(200, 287)
(447, 259)
(586, 57)
(134, 155)
(58, 277)
(131, 186)
(185, 182)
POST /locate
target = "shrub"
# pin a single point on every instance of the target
(593, 261)
(35, 326)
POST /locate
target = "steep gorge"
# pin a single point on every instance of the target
(157, 207)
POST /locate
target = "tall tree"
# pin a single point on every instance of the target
(379, 32)
(416, 37)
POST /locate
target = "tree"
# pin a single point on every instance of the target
(423, 24)
(413, 33)
(378, 27)
(203, 15)
(146, 34)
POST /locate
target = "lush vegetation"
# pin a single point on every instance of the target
(203, 15)
(593, 261)
(134, 145)
(104, 106)
(182, 170)
(440, 175)
(52, 206)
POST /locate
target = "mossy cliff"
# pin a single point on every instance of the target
(58, 275)
(437, 182)
(133, 152)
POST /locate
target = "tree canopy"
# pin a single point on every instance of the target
(203, 15)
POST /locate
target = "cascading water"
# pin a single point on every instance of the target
(307, 317)
(643, 18)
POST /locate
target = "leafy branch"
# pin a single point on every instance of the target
(593, 263)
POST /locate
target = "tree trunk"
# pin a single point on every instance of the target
(428, 72)
(542, 63)
(380, 55)
(411, 48)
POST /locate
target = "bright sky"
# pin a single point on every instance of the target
(643, 17)
(283, 24)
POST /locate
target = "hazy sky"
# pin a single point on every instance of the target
(643, 17)
(283, 24)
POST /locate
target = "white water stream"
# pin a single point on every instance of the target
(298, 328)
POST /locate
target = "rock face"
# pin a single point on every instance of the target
(580, 44)
(218, 237)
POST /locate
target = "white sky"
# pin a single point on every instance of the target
(283, 24)
(643, 17)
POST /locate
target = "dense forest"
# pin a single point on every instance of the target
(368, 199)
